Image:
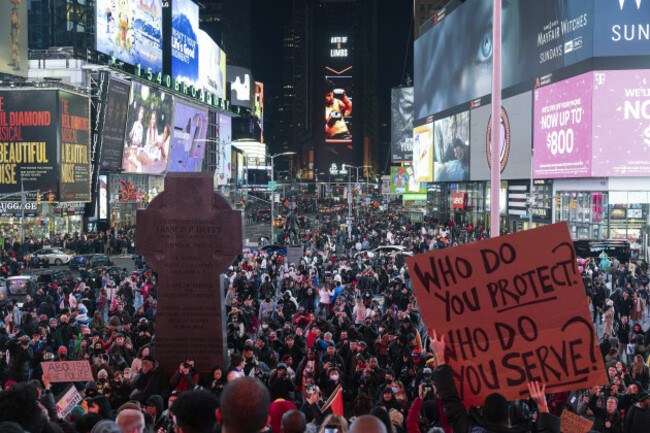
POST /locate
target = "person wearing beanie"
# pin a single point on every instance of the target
(494, 416)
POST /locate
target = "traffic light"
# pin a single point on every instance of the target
(50, 198)
(574, 203)
(38, 199)
(558, 201)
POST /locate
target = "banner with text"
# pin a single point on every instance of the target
(74, 114)
(512, 309)
(67, 371)
(28, 141)
(562, 130)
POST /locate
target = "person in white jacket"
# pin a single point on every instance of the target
(326, 294)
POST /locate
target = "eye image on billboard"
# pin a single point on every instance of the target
(185, 50)
(13, 27)
(130, 30)
(423, 153)
(148, 130)
(453, 59)
(188, 142)
(451, 148)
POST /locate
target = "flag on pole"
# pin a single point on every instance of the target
(335, 401)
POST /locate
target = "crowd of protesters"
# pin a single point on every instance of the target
(340, 318)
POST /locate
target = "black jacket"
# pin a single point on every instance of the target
(154, 382)
(463, 421)
(601, 417)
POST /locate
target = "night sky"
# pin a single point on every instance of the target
(395, 42)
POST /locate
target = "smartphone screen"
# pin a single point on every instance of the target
(331, 429)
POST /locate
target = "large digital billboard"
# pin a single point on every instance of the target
(621, 128)
(185, 49)
(117, 105)
(74, 127)
(402, 180)
(241, 86)
(148, 130)
(423, 153)
(102, 201)
(401, 125)
(13, 48)
(562, 131)
(451, 148)
(623, 28)
(338, 113)
(212, 65)
(516, 139)
(453, 59)
(130, 30)
(188, 141)
(259, 107)
(29, 143)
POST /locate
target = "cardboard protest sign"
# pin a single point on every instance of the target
(513, 309)
(69, 400)
(572, 423)
(68, 371)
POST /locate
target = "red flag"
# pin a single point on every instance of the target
(337, 403)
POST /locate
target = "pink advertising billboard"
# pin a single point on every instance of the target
(621, 131)
(562, 131)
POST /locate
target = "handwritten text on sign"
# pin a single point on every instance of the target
(513, 309)
(68, 371)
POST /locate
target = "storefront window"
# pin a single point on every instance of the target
(585, 212)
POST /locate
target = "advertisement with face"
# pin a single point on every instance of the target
(423, 153)
(224, 150)
(402, 180)
(130, 30)
(401, 130)
(516, 135)
(562, 131)
(29, 144)
(453, 59)
(212, 65)
(148, 130)
(623, 28)
(621, 131)
(451, 148)
(13, 48)
(74, 112)
(188, 141)
(339, 93)
(103, 197)
(185, 49)
(259, 107)
(117, 105)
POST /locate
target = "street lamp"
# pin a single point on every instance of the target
(272, 157)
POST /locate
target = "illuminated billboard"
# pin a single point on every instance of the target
(13, 48)
(259, 107)
(402, 180)
(423, 153)
(185, 49)
(74, 115)
(148, 130)
(117, 105)
(130, 30)
(451, 148)
(453, 59)
(623, 28)
(401, 128)
(103, 197)
(188, 141)
(224, 150)
(241, 86)
(339, 93)
(212, 65)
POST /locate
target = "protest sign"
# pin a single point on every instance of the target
(513, 309)
(68, 371)
(68, 401)
(572, 423)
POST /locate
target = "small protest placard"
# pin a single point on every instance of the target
(69, 400)
(513, 309)
(68, 371)
(573, 423)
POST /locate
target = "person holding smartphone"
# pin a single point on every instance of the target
(334, 424)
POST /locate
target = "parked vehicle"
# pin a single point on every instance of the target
(55, 256)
